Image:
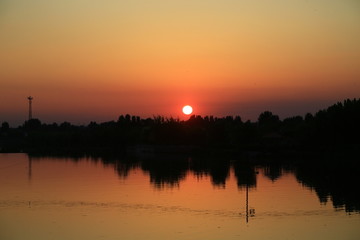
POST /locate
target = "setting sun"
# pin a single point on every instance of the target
(187, 110)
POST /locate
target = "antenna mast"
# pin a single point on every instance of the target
(30, 98)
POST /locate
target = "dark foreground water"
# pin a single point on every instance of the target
(86, 198)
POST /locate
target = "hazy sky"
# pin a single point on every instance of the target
(85, 60)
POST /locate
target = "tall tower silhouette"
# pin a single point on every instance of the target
(30, 98)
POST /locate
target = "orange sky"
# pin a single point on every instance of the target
(87, 60)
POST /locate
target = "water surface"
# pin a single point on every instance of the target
(94, 198)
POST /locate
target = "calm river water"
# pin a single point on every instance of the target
(94, 198)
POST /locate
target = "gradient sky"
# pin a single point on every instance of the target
(85, 60)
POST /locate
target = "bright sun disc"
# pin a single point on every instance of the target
(187, 110)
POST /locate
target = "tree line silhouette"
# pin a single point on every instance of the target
(337, 127)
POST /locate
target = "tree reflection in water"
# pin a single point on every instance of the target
(335, 180)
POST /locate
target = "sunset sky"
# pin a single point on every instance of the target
(92, 60)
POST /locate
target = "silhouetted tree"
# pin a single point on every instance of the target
(93, 125)
(336, 127)
(292, 126)
(309, 117)
(268, 122)
(32, 124)
(65, 125)
(5, 126)
(267, 118)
